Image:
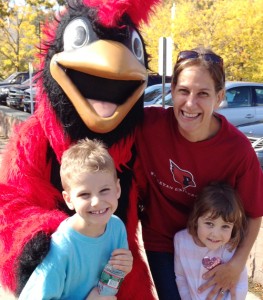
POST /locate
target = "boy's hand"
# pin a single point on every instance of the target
(121, 259)
(94, 295)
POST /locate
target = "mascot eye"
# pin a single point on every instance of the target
(77, 34)
(136, 45)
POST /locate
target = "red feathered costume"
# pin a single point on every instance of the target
(91, 84)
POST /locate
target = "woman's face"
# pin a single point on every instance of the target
(195, 99)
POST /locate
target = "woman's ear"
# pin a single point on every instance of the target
(67, 199)
(172, 91)
(220, 97)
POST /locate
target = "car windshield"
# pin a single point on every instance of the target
(27, 82)
(153, 92)
(9, 79)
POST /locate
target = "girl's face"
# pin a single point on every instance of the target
(94, 196)
(213, 233)
(194, 101)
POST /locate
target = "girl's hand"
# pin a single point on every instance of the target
(94, 295)
(121, 259)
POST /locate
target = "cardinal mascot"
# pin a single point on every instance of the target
(91, 85)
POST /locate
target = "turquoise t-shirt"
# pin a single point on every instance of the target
(74, 263)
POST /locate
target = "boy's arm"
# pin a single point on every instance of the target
(226, 276)
(44, 283)
(121, 259)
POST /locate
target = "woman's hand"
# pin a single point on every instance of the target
(121, 259)
(224, 279)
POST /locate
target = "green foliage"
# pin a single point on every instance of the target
(232, 28)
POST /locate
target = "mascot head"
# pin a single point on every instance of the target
(95, 67)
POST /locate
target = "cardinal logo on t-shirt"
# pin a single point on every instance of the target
(183, 177)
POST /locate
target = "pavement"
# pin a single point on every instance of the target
(3, 142)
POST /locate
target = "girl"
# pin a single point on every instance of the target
(215, 228)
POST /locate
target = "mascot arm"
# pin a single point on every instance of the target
(28, 205)
(140, 267)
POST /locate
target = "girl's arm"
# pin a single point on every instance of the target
(180, 275)
(181, 280)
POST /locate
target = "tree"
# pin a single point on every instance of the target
(20, 34)
(159, 26)
(6, 5)
(18, 40)
(232, 30)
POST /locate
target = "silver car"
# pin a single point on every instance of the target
(243, 103)
(153, 95)
(254, 132)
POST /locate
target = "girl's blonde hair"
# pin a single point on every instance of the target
(85, 156)
(220, 200)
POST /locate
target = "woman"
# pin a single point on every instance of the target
(181, 150)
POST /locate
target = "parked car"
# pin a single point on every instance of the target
(154, 78)
(254, 132)
(243, 103)
(153, 95)
(26, 101)
(16, 94)
(15, 78)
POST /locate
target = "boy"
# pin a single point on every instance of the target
(83, 243)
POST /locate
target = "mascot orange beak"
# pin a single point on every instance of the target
(103, 58)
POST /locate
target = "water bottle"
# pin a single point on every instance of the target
(110, 281)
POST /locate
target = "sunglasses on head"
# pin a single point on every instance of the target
(191, 54)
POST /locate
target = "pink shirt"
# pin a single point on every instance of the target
(189, 268)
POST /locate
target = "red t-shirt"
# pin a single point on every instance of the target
(176, 170)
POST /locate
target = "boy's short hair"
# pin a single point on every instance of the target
(85, 156)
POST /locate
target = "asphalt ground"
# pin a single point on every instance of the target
(3, 142)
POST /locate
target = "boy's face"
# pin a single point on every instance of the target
(94, 196)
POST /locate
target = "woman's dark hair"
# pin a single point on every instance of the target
(220, 200)
(215, 70)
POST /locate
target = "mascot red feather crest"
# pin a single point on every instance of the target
(91, 85)
(112, 10)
